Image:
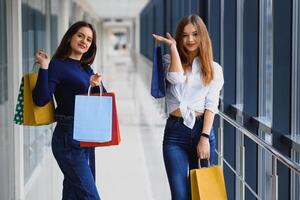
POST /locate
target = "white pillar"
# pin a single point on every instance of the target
(64, 14)
(14, 52)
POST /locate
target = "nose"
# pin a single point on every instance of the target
(190, 38)
(84, 40)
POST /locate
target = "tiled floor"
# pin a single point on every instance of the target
(134, 170)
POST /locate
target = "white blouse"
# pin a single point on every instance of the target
(188, 93)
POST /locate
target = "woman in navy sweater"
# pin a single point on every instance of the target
(69, 73)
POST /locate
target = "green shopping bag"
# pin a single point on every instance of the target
(18, 117)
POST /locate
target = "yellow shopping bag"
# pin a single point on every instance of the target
(208, 183)
(35, 115)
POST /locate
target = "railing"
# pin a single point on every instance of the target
(276, 155)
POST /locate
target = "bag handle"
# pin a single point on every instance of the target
(35, 67)
(199, 162)
(100, 87)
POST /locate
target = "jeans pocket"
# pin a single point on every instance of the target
(172, 124)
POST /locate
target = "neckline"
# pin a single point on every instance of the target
(72, 59)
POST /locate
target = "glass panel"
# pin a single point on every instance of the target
(5, 154)
(295, 125)
(295, 178)
(265, 95)
(296, 70)
(34, 37)
(265, 168)
(240, 159)
(266, 62)
(239, 57)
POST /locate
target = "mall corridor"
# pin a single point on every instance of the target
(134, 169)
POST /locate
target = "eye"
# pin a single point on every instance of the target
(79, 35)
(195, 34)
(89, 40)
(184, 35)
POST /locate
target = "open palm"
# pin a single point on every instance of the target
(169, 40)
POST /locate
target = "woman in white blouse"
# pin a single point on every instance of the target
(194, 82)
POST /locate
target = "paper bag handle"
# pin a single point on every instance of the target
(199, 162)
(100, 87)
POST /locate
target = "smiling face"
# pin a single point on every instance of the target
(81, 41)
(190, 38)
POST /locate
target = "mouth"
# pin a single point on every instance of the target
(190, 45)
(81, 46)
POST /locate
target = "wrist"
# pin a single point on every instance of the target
(44, 67)
(173, 46)
(204, 135)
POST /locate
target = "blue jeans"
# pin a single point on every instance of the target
(76, 163)
(180, 154)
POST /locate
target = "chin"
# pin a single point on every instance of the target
(81, 51)
(192, 50)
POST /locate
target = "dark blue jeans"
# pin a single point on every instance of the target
(180, 154)
(76, 163)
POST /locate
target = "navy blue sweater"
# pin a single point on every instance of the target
(65, 79)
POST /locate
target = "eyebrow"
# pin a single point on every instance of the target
(85, 35)
(192, 32)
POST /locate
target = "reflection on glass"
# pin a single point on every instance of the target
(266, 62)
(34, 37)
(265, 96)
(5, 152)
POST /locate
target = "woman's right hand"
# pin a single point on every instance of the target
(169, 40)
(42, 58)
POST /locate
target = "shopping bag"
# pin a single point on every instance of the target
(158, 87)
(35, 115)
(92, 118)
(18, 117)
(208, 183)
(115, 138)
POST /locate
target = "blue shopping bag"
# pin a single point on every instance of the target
(93, 118)
(158, 87)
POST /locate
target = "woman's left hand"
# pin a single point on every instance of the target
(95, 79)
(203, 148)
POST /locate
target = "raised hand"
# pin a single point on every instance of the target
(42, 58)
(95, 79)
(169, 40)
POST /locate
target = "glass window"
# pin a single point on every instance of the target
(266, 62)
(239, 57)
(295, 122)
(35, 35)
(239, 98)
(3, 54)
(265, 95)
(296, 70)
(5, 154)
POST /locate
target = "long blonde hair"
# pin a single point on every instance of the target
(205, 47)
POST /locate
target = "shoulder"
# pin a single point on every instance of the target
(55, 62)
(57, 66)
(217, 66)
(218, 70)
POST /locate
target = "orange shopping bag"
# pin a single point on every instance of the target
(208, 183)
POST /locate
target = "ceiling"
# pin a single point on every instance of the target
(116, 8)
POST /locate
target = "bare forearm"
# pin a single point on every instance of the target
(208, 121)
(175, 65)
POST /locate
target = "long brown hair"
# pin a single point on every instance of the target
(64, 49)
(205, 47)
